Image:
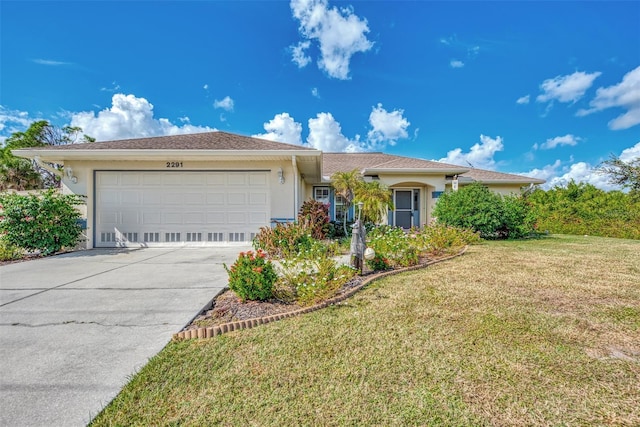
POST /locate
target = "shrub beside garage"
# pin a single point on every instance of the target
(43, 223)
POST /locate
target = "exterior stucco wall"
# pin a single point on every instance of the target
(282, 196)
(427, 184)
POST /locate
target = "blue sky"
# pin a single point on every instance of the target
(543, 88)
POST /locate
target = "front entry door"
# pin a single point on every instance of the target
(404, 208)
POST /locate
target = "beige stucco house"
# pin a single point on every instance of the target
(220, 188)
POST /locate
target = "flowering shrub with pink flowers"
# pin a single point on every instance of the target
(252, 276)
(45, 222)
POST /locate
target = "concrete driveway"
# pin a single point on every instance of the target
(75, 327)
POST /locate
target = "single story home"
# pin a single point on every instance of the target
(220, 188)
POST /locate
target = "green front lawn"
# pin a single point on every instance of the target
(543, 332)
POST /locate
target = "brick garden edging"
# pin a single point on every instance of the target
(212, 331)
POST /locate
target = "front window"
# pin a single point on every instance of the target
(340, 208)
(321, 194)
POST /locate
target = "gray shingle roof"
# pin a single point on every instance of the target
(492, 176)
(345, 162)
(195, 141)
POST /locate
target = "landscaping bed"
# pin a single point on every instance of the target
(227, 308)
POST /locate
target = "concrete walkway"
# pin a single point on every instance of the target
(75, 327)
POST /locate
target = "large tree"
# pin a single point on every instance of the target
(626, 174)
(22, 174)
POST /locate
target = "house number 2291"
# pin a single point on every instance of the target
(174, 164)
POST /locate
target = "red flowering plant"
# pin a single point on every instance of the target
(378, 263)
(252, 276)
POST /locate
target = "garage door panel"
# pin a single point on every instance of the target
(179, 207)
(172, 217)
(130, 197)
(215, 198)
(152, 179)
(236, 179)
(257, 198)
(152, 197)
(216, 179)
(132, 178)
(237, 217)
(173, 199)
(194, 218)
(109, 197)
(108, 179)
(237, 198)
(194, 198)
(151, 218)
(108, 217)
(256, 179)
(130, 217)
(195, 179)
(257, 218)
(216, 217)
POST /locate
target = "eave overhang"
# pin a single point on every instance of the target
(414, 171)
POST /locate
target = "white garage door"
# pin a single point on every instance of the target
(135, 208)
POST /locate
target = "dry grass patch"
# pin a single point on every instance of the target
(512, 333)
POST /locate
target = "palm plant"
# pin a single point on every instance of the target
(345, 185)
(376, 198)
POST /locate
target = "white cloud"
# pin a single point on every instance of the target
(129, 117)
(325, 134)
(479, 156)
(581, 172)
(13, 121)
(315, 93)
(558, 141)
(114, 88)
(205, 87)
(456, 63)
(282, 128)
(546, 173)
(625, 94)
(630, 153)
(50, 62)
(387, 127)
(569, 88)
(558, 175)
(339, 33)
(298, 54)
(523, 100)
(226, 103)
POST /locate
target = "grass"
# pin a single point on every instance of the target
(543, 332)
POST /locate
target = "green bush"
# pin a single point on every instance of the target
(492, 215)
(252, 277)
(44, 222)
(378, 263)
(311, 280)
(584, 209)
(284, 240)
(8, 251)
(393, 244)
(441, 239)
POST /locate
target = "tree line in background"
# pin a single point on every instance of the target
(22, 174)
(581, 208)
(578, 208)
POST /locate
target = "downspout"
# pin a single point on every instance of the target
(296, 186)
